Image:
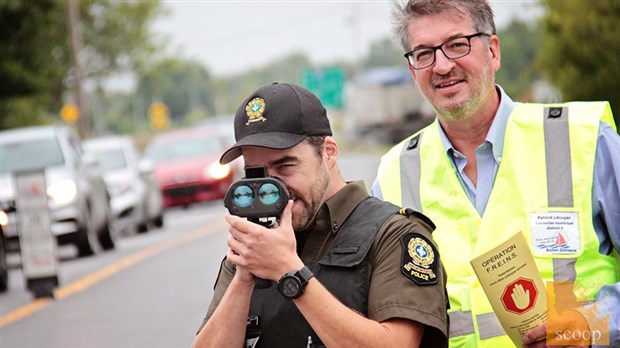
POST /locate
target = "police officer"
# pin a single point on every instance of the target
(348, 270)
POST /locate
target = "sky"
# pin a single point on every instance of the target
(230, 37)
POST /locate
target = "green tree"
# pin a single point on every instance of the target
(519, 47)
(384, 52)
(284, 69)
(580, 49)
(33, 60)
(115, 114)
(116, 39)
(184, 86)
(35, 65)
(117, 35)
(232, 90)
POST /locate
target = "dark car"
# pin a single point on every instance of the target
(187, 166)
(79, 204)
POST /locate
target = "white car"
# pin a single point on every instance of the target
(78, 200)
(136, 199)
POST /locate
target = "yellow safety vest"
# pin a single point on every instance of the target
(546, 166)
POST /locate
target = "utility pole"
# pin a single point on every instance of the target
(75, 35)
(354, 21)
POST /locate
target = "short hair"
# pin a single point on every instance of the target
(403, 13)
(317, 142)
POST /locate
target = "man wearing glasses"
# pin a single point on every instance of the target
(488, 165)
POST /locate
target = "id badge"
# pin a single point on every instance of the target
(556, 233)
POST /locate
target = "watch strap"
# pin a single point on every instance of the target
(304, 274)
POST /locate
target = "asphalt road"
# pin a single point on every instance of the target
(151, 291)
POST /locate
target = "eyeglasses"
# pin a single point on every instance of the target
(457, 47)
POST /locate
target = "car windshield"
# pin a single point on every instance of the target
(182, 148)
(30, 155)
(110, 160)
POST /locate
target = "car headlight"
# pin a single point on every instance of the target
(217, 171)
(4, 219)
(62, 192)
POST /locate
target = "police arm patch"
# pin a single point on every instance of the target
(420, 259)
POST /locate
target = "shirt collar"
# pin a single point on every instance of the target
(337, 208)
(498, 127)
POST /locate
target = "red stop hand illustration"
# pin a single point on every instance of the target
(520, 296)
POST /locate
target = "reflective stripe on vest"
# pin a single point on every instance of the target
(411, 163)
(557, 170)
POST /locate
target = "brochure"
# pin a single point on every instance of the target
(513, 286)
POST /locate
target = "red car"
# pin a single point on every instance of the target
(187, 166)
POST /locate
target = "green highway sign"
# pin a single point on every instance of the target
(327, 84)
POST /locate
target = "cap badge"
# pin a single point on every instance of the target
(254, 110)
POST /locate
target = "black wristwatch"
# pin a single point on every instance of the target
(292, 284)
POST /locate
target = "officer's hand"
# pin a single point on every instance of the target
(266, 253)
(289, 260)
(240, 272)
(564, 330)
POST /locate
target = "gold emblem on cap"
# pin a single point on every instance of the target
(254, 110)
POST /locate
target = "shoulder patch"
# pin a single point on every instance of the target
(420, 259)
(410, 212)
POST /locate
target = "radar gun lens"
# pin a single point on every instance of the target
(269, 194)
(243, 196)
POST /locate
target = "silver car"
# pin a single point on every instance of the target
(78, 200)
(136, 199)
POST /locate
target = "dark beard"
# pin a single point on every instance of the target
(318, 189)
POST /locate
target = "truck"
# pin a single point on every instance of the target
(383, 106)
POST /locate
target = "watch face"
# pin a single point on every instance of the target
(290, 286)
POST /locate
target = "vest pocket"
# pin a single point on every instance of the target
(343, 256)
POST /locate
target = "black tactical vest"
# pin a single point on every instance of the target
(343, 270)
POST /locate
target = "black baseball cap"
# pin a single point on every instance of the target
(277, 116)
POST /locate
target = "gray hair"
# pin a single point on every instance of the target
(403, 13)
